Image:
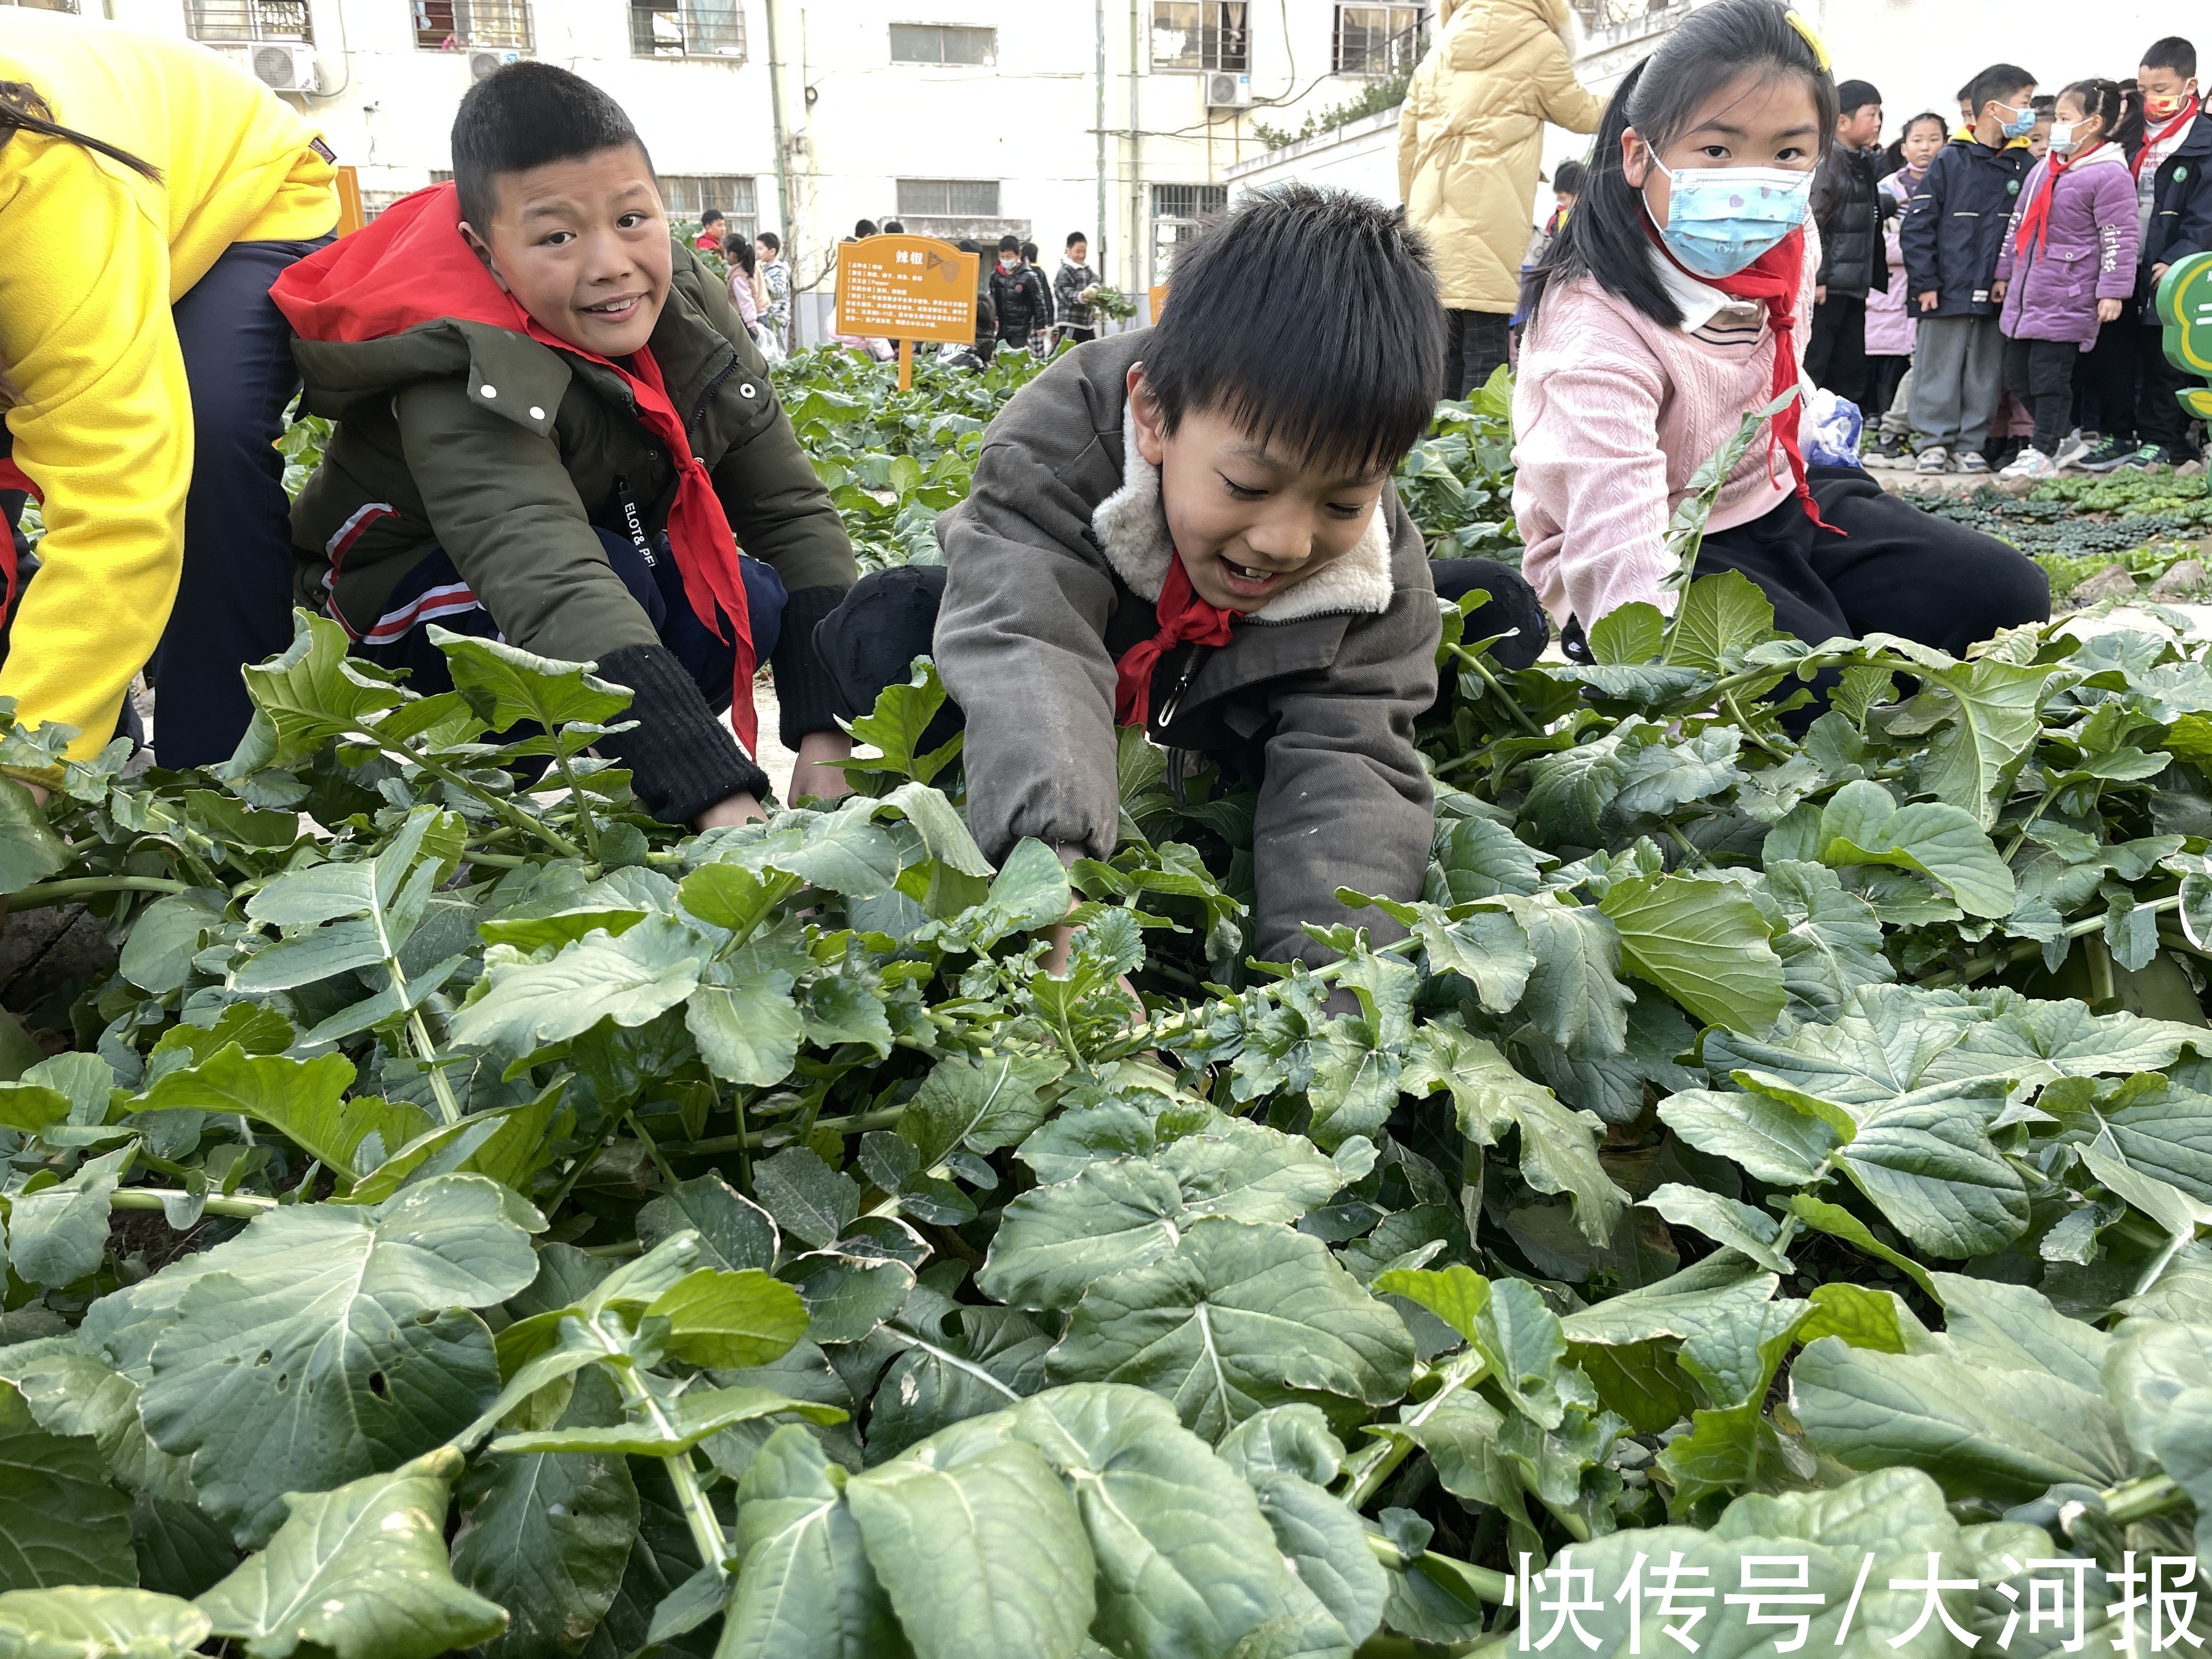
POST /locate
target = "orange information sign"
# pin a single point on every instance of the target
(350, 217)
(1159, 299)
(906, 288)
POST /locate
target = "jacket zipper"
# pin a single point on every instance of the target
(699, 409)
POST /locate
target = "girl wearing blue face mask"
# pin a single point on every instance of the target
(1676, 301)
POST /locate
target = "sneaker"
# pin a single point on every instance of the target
(1935, 459)
(1971, 461)
(2073, 448)
(2147, 456)
(2111, 453)
(2031, 463)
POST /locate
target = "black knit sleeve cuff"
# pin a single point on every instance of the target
(804, 689)
(681, 759)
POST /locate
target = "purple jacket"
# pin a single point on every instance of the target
(1891, 317)
(2088, 253)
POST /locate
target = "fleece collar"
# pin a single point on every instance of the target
(1132, 531)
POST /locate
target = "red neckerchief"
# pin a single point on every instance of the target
(408, 266)
(2153, 140)
(1183, 616)
(12, 477)
(2035, 217)
(1772, 279)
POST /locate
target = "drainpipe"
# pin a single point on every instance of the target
(1137, 284)
(782, 149)
(1100, 124)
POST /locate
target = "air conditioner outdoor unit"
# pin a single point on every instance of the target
(1225, 91)
(481, 63)
(280, 65)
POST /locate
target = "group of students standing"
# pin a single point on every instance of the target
(1996, 284)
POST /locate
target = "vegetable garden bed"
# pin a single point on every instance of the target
(496, 1221)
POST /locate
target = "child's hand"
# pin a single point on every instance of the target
(1997, 289)
(739, 808)
(2158, 273)
(1930, 300)
(2108, 310)
(817, 773)
(1819, 293)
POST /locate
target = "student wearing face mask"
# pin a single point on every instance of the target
(1953, 232)
(2067, 267)
(2173, 215)
(1018, 295)
(1675, 302)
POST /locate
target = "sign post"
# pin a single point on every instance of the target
(350, 217)
(906, 288)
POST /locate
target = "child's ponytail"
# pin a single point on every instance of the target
(22, 110)
(1606, 237)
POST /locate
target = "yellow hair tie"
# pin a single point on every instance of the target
(1820, 52)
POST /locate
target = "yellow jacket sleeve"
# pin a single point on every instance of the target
(105, 431)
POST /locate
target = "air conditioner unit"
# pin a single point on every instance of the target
(280, 65)
(481, 63)
(1225, 91)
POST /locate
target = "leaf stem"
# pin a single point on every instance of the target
(1367, 1469)
(860, 1124)
(154, 1197)
(2144, 1500)
(500, 805)
(1490, 1586)
(585, 819)
(1474, 659)
(1742, 720)
(690, 1497)
(653, 1150)
(77, 887)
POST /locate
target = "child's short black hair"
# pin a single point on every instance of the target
(893, 228)
(1075, 236)
(1998, 81)
(770, 240)
(2171, 53)
(2045, 103)
(711, 216)
(864, 228)
(524, 115)
(1568, 177)
(1852, 96)
(1308, 315)
(1010, 243)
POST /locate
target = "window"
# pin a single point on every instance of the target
(1177, 212)
(943, 43)
(688, 195)
(451, 25)
(43, 5)
(249, 20)
(1200, 34)
(686, 28)
(948, 198)
(1377, 39)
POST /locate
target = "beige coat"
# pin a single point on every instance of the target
(1471, 136)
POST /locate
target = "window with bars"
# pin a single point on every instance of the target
(943, 43)
(688, 195)
(249, 20)
(1178, 212)
(1379, 40)
(688, 29)
(452, 25)
(948, 198)
(1201, 34)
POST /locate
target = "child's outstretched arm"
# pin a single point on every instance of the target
(1020, 644)
(1345, 801)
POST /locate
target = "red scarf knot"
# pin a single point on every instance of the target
(1184, 618)
(2035, 217)
(1773, 279)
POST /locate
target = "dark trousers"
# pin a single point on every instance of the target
(870, 641)
(1835, 350)
(1077, 336)
(1884, 375)
(2160, 418)
(234, 596)
(2108, 375)
(2040, 373)
(1476, 346)
(433, 592)
(1894, 570)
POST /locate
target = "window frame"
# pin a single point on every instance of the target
(942, 30)
(252, 25)
(697, 23)
(738, 195)
(1214, 60)
(457, 10)
(1206, 200)
(909, 209)
(1393, 62)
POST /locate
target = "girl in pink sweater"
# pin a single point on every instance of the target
(1677, 301)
